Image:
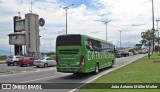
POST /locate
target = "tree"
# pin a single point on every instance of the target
(147, 39)
(157, 39)
(50, 53)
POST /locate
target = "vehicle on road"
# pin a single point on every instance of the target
(130, 53)
(125, 53)
(12, 60)
(77, 53)
(143, 51)
(45, 62)
(118, 55)
(27, 61)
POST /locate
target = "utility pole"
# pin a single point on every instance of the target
(153, 22)
(66, 8)
(106, 22)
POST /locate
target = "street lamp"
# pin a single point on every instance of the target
(153, 21)
(106, 22)
(120, 31)
(66, 8)
(158, 34)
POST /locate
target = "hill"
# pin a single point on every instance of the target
(4, 52)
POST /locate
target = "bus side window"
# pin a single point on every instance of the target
(89, 45)
(111, 49)
(97, 45)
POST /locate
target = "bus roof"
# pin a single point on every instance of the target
(89, 37)
(97, 39)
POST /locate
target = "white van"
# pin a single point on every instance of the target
(12, 60)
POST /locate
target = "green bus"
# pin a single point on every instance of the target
(76, 53)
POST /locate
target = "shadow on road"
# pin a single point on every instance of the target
(74, 78)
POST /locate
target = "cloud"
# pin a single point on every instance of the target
(2, 1)
(132, 16)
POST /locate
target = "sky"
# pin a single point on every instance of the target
(84, 17)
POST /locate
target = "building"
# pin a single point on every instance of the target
(26, 38)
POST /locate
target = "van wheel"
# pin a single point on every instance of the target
(96, 69)
(15, 64)
(9, 64)
(45, 65)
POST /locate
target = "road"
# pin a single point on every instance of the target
(4, 69)
(50, 75)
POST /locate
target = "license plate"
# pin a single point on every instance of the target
(68, 69)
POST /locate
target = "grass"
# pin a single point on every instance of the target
(2, 62)
(143, 70)
(2, 58)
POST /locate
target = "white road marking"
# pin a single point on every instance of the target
(37, 79)
(27, 72)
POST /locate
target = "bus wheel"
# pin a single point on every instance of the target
(96, 69)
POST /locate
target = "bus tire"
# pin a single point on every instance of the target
(96, 69)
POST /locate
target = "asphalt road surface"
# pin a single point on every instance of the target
(50, 75)
(4, 69)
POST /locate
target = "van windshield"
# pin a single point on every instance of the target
(68, 40)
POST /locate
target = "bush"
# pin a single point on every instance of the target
(3, 57)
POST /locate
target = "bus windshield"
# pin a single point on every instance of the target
(69, 40)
